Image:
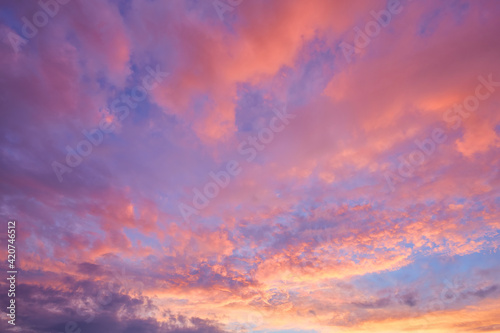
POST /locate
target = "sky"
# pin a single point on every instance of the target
(251, 166)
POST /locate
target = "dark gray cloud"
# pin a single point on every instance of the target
(43, 309)
(485, 292)
(409, 299)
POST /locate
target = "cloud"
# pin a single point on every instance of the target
(48, 310)
(376, 304)
(308, 234)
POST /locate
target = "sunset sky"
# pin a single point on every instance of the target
(251, 166)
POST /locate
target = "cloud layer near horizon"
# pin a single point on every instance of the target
(331, 224)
